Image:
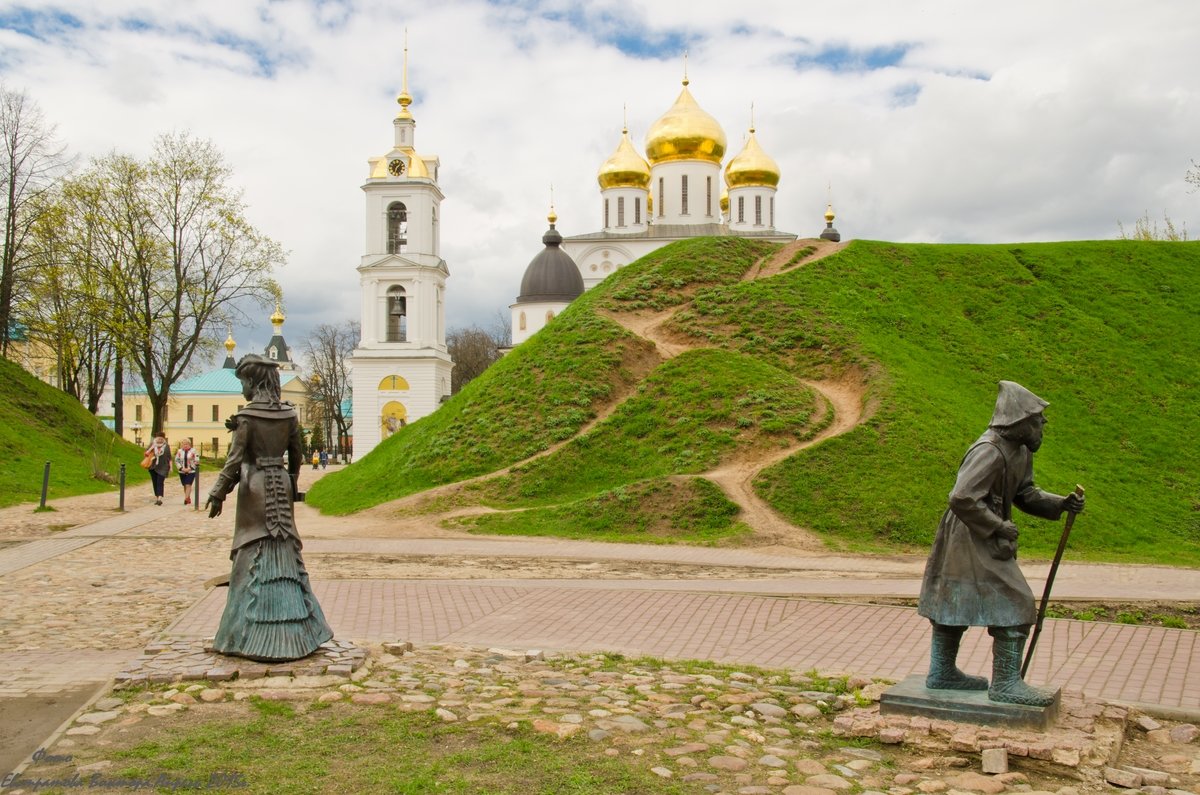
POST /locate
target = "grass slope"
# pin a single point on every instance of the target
(655, 511)
(39, 424)
(541, 393)
(688, 416)
(1108, 332)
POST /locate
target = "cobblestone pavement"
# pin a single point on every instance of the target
(718, 729)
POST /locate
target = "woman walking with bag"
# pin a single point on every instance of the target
(160, 465)
(185, 464)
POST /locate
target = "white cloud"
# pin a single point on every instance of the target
(987, 122)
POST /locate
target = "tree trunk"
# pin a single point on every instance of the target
(119, 397)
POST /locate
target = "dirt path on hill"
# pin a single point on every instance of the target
(424, 514)
(736, 478)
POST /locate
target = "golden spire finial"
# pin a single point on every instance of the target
(229, 343)
(625, 118)
(685, 77)
(751, 117)
(278, 317)
(405, 99)
(829, 216)
(553, 216)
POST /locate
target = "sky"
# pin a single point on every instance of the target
(952, 121)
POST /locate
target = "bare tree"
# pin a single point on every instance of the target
(1146, 229)
(327, 349)
(473, 351)
(1193, 176)
(30, 162)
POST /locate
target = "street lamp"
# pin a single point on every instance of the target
(137, 432)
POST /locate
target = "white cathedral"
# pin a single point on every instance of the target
(674, 192)
(401, 368)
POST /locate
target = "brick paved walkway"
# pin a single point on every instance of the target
(1135, 664)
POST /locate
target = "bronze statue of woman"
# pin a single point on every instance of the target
(271, 613)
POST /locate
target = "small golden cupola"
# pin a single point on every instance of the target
(230, 363)
(626, 168)
(685, 132)
(752, 166)
(277, 318)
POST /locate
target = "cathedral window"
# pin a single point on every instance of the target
(397, 315)
(620, 211)
(741, 209)
(606, 224)
(758, 210)
(772, 212)
(273, 352)
(549, 315)
(683, 203)
(397, 228)
(190, 413)
(661, 202)
(637, 210)
(523, 321)
(708, 196)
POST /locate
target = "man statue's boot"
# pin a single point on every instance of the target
(1007, 686)
(943, 657)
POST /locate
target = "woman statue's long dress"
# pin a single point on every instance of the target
(271, 613)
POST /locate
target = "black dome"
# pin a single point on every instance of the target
(552, 275)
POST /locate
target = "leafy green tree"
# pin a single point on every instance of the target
(178, 254)
(65, 304)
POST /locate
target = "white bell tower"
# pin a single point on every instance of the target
(401, 369)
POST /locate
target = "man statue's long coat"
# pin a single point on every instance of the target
(970, 580)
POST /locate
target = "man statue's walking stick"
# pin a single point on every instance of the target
(1041, 616)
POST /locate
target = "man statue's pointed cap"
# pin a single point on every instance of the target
(1014, 403)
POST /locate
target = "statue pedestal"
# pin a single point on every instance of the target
(911, 697)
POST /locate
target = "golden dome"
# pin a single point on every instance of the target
(229, 343)
(752, 166)
(685, 132)
(553, 216)
(277, 318)
(626, 168)
(829, 216)
(416, 166)
(724, 201)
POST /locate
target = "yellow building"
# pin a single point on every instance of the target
(198, 406)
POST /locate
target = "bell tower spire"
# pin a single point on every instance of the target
(401, 367)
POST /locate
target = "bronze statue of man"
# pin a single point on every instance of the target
(971, 577)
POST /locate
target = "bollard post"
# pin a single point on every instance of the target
(121, 505)
(45, 483)
(196, 484)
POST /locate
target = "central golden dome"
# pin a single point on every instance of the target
(625, 169)
(752, 166)
(685, 132)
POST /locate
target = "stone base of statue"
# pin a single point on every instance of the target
(911, 697)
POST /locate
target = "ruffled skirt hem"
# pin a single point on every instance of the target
(271, 614)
